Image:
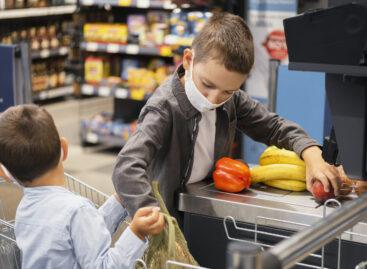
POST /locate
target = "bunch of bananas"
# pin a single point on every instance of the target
(280, 168)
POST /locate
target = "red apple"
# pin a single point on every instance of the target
(320, 194)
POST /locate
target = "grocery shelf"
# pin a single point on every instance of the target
(162, 51)
(53, 93)
(37, 12)
(115, 91)
(47, 53)
(97, 139)
(144, 4)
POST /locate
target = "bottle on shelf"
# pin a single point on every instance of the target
(54, 42)
(43, 38)
(35, 44)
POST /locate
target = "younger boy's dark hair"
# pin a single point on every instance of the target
(29, 142)
(226, 38)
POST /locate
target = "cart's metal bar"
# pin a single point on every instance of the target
(88, 186)
(301, 244)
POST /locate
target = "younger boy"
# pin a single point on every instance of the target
(55, 228)
(190, 121)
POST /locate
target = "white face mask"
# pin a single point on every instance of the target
(196, 98)
(13, 179)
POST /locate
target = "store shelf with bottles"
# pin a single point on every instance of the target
(9, 12)
(49, 80)
(48, 53)
(143, 4)
(102, 129)
(53, 93)
(49, 43)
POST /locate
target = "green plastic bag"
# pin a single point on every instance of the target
(170, 244)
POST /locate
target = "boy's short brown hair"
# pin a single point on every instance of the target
(227, 38)
(29, 142)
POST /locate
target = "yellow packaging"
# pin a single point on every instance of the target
(105, 32)
(96, 69)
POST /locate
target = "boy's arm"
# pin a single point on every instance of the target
(113, 213)
(261, 125)
(92, 242)
(130, 174)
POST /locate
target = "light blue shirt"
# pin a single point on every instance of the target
(55, 228)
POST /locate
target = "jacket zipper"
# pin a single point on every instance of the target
(194, 135)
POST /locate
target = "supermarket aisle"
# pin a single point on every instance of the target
(91, 166)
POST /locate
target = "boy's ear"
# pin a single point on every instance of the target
(64, 147)
(187, 58)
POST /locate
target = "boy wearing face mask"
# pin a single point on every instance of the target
(190, 121)
(54, 228)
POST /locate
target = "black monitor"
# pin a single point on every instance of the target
(334, 41)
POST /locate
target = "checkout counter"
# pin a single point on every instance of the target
(267, 214)
(298, 232)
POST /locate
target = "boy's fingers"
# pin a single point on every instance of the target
(152, 218)
(335, 182)
(324, 182)
(146, 211)
(309, 183)
(158, 226)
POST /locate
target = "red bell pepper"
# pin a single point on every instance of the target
(231, 175)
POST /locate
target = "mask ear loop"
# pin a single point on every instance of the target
(9, 175)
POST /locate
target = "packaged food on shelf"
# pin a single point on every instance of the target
(137, 28)
(103, 125)
(126, 65)
(105, 32)
(179, 24)
(96, 69)
(197, 21)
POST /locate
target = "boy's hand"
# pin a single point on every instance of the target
(147, 221)
(318, 169)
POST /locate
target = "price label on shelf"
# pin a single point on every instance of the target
(113, 48)
(137, 94)
(125, 3)
(91, 46)
(45, 53)
(121, 93)
(92, 138)
(143, 4)
(87, 89)
(88, 2)
(104, 91)
(63, 51)
(132, 49)
(169, 5)
(43, 95)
